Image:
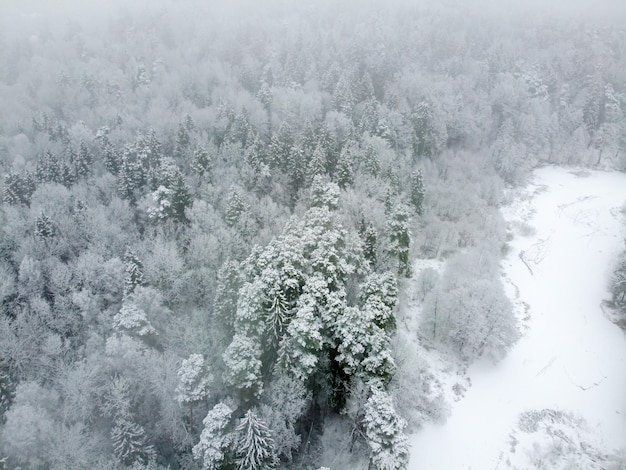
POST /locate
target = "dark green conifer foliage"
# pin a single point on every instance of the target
(202, 162)
(344, 172)
(48, 169)
(129, 442)
(370, 244)
(400, 239)
(18, 188)
(44, 227)
(83, 161)
(417, 192)
(134, 272)
(254, 444)
(235, 207)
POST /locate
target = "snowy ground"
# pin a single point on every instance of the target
(562, 389)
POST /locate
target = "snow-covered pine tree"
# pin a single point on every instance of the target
(44, 227)
(128, 439)
(371, 163)
(400, 239)
(264, 95)
(379, 293)
(324, 194)
(226, 293)
(255, 446)
(369, 116)
(295, 168)
(83, 161)
(300, 347)
(344, 172)
(278, 310)
(343, 96)
(243, 366)
(130, 178)
(48, 169)
(370, 244)
(417, 191)
(134, 272)
(235, 206)
(183, 140)
(68, 174)
(111, 157)
(384, 432)
(280, 146)
(317, 163)
(215, 446)
(18, 187)
(133, 321)
(129, 442)
(194, 381)
(172, 195)
(202, 162)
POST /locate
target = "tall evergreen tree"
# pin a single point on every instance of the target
(344, 172)
(18, 188)
(370, 245)
(129, 442)
(134, 272)
(384, 432)
(227, 293)
(215, 447)
(194, 381)
(235, 206)
(202, 162)
(48, 169)
(44, 227)
(417, 191)
(254, 444)
(83, 161)
(172, 195)
(400, 239)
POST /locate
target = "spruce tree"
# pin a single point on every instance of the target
(112, 159)
(235, 207)
(18, 188)
(214, 449)
(371, 163)
(183, 140)
(344, 172)
(254, 444)
(193, 386)
(48, 169)
(400, 239)
(370, 245)
(129, 442)
(226, 294)
(417, 192)
(202, 162)
(44, 227)
(134, 272)
(384, 432)
(83, 161)
(264, 95)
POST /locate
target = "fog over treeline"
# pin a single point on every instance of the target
(215, 216)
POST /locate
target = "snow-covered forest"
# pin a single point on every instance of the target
(256, 235)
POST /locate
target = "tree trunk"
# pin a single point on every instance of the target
(191, 418)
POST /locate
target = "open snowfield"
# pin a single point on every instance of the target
(569, 367)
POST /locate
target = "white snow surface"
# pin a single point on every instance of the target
(570, 357)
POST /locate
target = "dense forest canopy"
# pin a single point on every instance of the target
(210, 211)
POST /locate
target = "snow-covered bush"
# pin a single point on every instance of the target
(469, 313)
